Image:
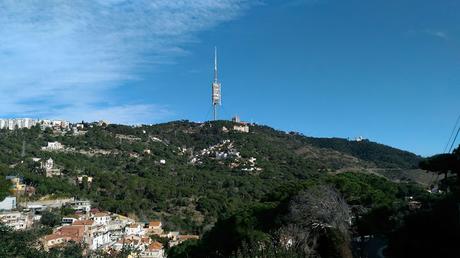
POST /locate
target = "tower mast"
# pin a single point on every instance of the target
(216, 88)
(215, 64)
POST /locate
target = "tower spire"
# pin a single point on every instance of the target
(216, 88)
(215, 65)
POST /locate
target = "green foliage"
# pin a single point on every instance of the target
(22, 244)
(4, 188)
(50, 219)
(188, 197)
(367, 190)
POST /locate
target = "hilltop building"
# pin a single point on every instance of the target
(20, 123)
(240, 126)
(17, 123)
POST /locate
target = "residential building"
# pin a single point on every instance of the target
(101, 218)
(62, 235)
(17, 188)
(84, 206)
(52, 146)
(134, 229)
(154, 250)
(8, 204)
(15, 220)
(155, 227)
(242, 128)
(101, 237)
(17, 123)
(53, 240)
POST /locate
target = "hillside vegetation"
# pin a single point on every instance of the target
(188, 174)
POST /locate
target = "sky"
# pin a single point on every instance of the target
(387, 70)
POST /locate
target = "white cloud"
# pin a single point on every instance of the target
(438, 34)
(71, 53)
(291, 3)
(124, 114)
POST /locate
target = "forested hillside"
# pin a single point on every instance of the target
(188, 174)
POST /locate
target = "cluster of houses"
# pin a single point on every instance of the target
(111, 233)
(11, 217)
(92, 228)
(226, 150)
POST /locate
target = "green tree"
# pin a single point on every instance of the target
(50, 219)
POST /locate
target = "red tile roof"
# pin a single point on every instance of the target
(86, 222)
(53, 237)
(101, 214)
(155, 246)
(154, 223)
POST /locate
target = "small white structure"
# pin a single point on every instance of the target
(101, 218)
(242, 128)
(134, 229)
(53, 146)
(8, 204)
(162, 161)
(236, 119)
(50, 171)
(103, 123)
(100, 238)
(84, 206)
(154, 250)
(80, 179)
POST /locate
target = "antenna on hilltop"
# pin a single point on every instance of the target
(216, 88)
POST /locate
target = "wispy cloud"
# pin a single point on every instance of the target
(291, 3)
(62, 57)
(437, 33)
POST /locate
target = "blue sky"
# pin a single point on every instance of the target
(386, 70)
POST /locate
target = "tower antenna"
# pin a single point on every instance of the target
(215, 65)
(216, 88)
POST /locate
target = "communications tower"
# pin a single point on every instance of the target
(216, 88)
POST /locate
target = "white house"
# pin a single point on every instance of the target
(9, 203)
(81, 206)
(101, 218)
(134, 229)
(242, 128)
(53, 146)
(154, 250)
(100, 238)
(15, 220)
